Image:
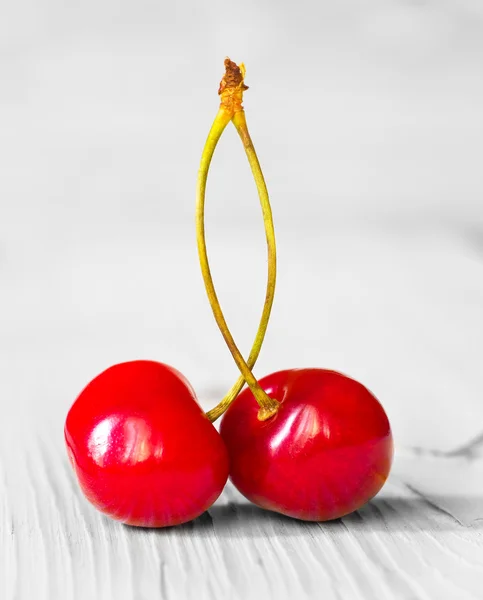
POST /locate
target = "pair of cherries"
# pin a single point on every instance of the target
(309, 443)
(146, 454)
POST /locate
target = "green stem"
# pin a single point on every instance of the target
(268, 406)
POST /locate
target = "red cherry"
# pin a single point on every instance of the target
(143, 450)
(325, 453)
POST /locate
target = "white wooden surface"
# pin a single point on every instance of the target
(421, 538)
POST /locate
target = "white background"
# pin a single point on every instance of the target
(367, 117)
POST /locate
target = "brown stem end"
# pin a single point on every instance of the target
(232, 87)
(266, 412)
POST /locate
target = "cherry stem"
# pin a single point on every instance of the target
(231, 91)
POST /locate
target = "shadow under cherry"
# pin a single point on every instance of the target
(244, 520)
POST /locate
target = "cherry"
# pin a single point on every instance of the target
(142, 449)
(309, 443)
(326, 451)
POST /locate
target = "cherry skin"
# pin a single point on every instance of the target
(325, 453)
(142, 448)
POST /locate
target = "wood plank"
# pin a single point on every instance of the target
(55, 545)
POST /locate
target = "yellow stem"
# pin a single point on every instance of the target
(268, 406)
(239, 121)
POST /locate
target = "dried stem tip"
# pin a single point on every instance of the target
(233, 77)
(232, 86)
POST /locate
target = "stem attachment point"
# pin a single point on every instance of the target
(266, 412)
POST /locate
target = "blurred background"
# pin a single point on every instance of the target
(368, 121)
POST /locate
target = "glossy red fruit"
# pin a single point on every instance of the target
(325, 453)
(142, 448)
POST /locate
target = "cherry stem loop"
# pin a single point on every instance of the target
(231, 91)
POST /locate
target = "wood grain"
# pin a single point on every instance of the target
(405, 544)
(420, 539)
